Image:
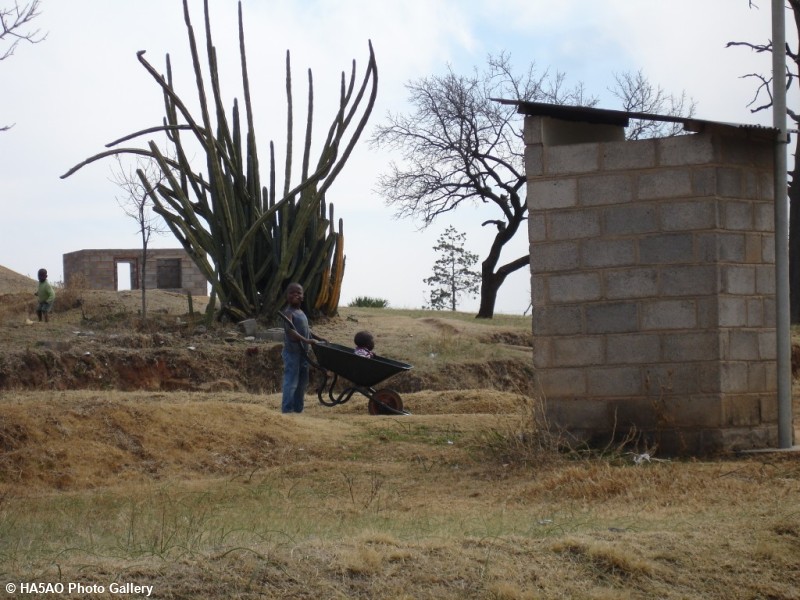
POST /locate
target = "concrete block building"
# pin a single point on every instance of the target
(653, 280)
(167, 269)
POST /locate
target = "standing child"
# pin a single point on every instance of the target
(46, 296)
(296, 339)
(365, 344)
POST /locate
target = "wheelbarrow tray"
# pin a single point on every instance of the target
(361, 370)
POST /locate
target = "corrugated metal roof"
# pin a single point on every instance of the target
(622, 118)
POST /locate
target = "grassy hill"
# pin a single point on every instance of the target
(12, 282)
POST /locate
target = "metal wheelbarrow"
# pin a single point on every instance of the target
(363, 373)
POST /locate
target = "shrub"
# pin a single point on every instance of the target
(70, 295)
(369, 302)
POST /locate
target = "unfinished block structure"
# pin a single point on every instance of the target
(167, 269)
(653, 280)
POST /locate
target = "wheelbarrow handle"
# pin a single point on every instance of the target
(287, 319)
(311, 361)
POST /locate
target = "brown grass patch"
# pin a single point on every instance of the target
(214, 494)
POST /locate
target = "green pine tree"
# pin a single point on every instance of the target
(452, 272)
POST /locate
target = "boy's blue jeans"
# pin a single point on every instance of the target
(295, 381)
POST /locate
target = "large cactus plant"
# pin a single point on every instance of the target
(251, 238)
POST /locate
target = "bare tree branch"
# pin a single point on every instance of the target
(13, 27)
(13, 30)
(637, 94)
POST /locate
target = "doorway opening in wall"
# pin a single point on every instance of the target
(124, 275)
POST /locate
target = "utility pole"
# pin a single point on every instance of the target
(782, 314)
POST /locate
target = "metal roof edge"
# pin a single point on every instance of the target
(622, 118)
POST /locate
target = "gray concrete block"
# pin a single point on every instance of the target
(558, 320)
(614, 381)
(764, 216)
(577, 287)
(765, 279)
(668, 314)
(631, 283)
(743, 344)
(667, 183)
(704, 182)
(729, 182)
(707, 312)
(542, 355)
(608, 253)
(744, 152)
(768, 248)
(693, 215)
(532, 130)
(616, 317)
(757, 377)
(729, 247)
(560, 383)
(577, 351)
(755, 312)
(738, 216)
(639, 412)
(630, 219)
(556, 256)
(571, 158)
(692, 411)
(732, 311)
(766, 186)
(596, 190)
(577, 413)
(685, 150)
(534, 161)
(573, 224)
(633, 348)
(537, 230)
(752, 248)
(686, 347)
(544, 194)
(666, 248)
(733, 377)
(672, 378)
(688, 280)
(639, 154)
(767, 345)
(769, 311)
(738, 279)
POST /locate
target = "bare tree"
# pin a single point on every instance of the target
(762, 100)
(134, 180)
(14, 28)
(638, 94)
(459, 146)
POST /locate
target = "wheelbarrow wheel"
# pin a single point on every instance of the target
(385, 402)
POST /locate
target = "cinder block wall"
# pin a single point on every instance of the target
(652, 270)
(99, 268)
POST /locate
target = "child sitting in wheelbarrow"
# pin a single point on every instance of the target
(365, 344)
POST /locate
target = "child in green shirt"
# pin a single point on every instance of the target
(46, 296)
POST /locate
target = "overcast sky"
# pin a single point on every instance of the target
(83, 87)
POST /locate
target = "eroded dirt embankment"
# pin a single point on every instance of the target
(159, 362)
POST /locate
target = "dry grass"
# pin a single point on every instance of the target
(217, 495)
